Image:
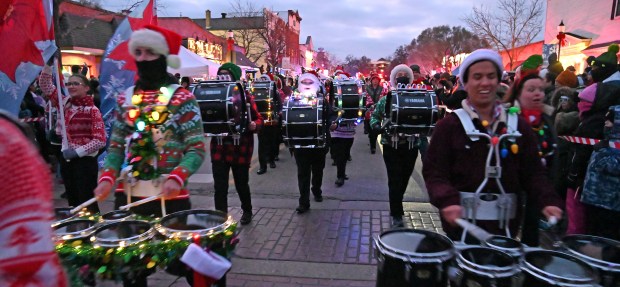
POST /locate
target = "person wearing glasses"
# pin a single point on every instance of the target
(85, 137)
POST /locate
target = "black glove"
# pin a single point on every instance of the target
(376, 128)
(69, 153)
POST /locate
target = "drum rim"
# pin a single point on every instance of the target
(166, 231)
(76, 234)
(598, 263)
(550, 278)
(415, 256)
(487, 271)
(516, 250)
(128, 217)
(116, 242)
(72, 217)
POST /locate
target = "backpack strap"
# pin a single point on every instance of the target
(467, 123)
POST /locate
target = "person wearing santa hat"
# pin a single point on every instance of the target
(176, 130)
(456, 164)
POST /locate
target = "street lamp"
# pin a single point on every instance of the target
(561, 36)
(231, 42)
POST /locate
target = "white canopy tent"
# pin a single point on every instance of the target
(193, 65)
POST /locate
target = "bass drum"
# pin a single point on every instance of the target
(303, 123)
(601, 253)
(222, 107)
(264, 93)
(411, 257)
(413, 112)
(350, 99)
(544, 268)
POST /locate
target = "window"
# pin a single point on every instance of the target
(615, 10)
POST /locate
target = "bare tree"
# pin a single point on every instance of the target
(274, 36)
(514, 23)
(250, 37)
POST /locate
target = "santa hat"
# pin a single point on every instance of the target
(398, 69)
(310, 76)
(477, 56)
(161, 41)
(267, 76)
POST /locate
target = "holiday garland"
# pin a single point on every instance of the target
(82, 259)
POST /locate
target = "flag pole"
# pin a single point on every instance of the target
(61, 109)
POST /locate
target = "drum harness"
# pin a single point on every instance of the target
(489, 206)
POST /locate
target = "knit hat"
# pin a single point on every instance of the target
(233, 69)
(398, 69)
(531, 65)
(477, 56)
(161, 41)
(415, 68)
(608, 58)
(567, 79)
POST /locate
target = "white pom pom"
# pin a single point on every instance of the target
(173, 61)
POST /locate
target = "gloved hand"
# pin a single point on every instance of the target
(69, 154)
(376, 128)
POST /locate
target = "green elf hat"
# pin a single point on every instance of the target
(609, 58)
(531, 65)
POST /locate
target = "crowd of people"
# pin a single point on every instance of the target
(537, 112)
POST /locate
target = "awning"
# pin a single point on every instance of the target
(194, 65)
(243, 61)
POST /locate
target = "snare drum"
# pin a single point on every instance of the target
(187, 223)
(303, 125)
(63, 214)
(601, 253)
(116, 216)
(413, 112)
(544, 268)
(508, 245)
(122, 233)
(76, 229)
(486, 267)
(411, 257)
(221, 106)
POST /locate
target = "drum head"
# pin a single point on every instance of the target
(194, 221)
(593, 247)
(123, 233)
(74, 229)
(116, 215)
(503, 242)
(487, 257)
(412, 241)
(559, 265)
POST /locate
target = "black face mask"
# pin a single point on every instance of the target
(152, 74)
(402, 80)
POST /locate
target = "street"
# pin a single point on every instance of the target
(329, 246)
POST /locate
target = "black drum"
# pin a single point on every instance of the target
(122, 233)
(601, 253)
(411, 257)
(508, 245)
(486, 267)
(188, 223)
(544, 268)
(265, 94)
(413, 112)
(77, 229)
(303, 123)
(349, 98)
(221, 106)
(116, 216)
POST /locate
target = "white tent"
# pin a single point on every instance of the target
(193, 65)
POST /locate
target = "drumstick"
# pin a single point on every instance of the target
(473, 229)
(553, 220)
(139, 202)
(85, 204)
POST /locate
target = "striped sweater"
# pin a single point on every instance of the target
(183, 148)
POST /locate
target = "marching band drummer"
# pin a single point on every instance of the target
(269, 136)
(456, 163)
(227, 156)
(399, 157)
(170, 142)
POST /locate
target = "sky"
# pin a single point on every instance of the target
(371, 28)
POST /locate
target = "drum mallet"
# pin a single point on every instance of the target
(139, 202)
(85, 204)
(473, 229)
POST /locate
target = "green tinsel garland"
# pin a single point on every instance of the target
(82, 258)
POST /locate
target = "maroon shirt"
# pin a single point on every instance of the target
(454, 163)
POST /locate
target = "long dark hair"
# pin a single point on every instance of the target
(517, 87)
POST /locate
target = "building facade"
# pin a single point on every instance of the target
(590, 26)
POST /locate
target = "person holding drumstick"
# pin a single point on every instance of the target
(455, 163)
